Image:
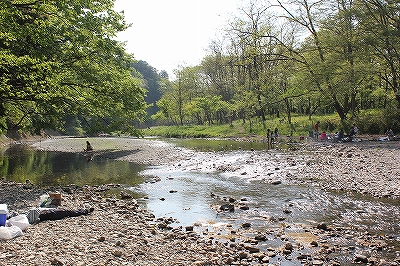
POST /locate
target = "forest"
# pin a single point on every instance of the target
(291, 58)
(62, 68)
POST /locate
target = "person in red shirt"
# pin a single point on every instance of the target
(323, 136)
(316, 132)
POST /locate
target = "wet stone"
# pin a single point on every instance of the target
(189, 228)
(227, 207)
(288, 246)
(360, 258)
(252, 249)
(246, 225)
(260, 238)
(322, 226)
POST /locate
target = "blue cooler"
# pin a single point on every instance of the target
(3, 214)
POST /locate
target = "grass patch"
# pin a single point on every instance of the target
(368, 122)
(300, 126)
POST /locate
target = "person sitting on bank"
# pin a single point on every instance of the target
(339, 136)
(323, 136)
(390, 134)
(89, 146)
(352, 133)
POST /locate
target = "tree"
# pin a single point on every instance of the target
(152, 84)
(310, 15)
(380, 22)
(206, 108)
(255, 51)
(218, 70)
(59, 58)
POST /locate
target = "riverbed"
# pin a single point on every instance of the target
(343, 197)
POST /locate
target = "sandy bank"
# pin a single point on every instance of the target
(145, 151)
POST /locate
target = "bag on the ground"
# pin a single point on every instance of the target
(9, 232)
(20, 220)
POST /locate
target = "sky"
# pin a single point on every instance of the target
(170, 33)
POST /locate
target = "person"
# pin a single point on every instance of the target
(89, 146)
(352, 133)
(390, 134)
(323, 136)
(269, 137)
(276, 134)
(316, 128)
(50, 214)
(355, 128)
(340, 135)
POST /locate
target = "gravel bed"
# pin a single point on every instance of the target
(119, 232)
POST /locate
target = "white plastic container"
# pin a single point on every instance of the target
(3, 214)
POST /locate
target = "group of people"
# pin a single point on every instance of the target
(342, 137)
(272, 135)
(339, 136)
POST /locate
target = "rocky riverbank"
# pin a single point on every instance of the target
(119, 232)
(370, 168)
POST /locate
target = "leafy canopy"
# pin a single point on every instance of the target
(61, 58)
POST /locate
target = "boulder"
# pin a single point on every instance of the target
(227, 207)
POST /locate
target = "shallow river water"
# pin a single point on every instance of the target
(193, 195)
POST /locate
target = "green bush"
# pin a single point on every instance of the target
(378, 121)
(368, 122)
(392, 120)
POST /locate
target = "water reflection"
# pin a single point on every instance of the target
(265, 202)
(287, 209)
(19, 163)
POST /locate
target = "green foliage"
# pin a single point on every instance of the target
(195, 131)
(367, 123)
(300, 127)
(371, 122)
(347, 64)
(378, 121)
(152, 85)
(60, 58)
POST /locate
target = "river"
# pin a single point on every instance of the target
(193, 192)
